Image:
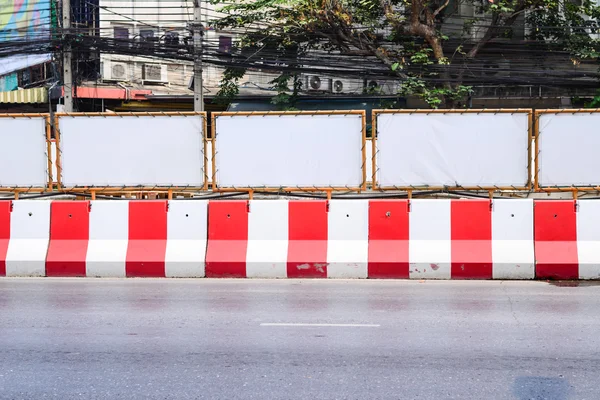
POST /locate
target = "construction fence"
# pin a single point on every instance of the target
(375, 238)
(325, 151)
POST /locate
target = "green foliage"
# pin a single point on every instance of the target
(434, 96)
(284, 100)
(568, 26)
(414, 49)
(595, 102)
(228, 87)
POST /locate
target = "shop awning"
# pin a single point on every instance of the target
(25, 96)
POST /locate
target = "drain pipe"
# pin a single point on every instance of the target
(127, 94)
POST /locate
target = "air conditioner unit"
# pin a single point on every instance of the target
(347, 86)
(389, 87)
(315, 83)
(154, 73)
(115, 71)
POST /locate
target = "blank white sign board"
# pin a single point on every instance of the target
(145, 150)
(452, 149)
(24, 152)
(568, 146)
(294, 150)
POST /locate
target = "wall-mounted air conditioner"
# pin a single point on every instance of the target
(154, 73)
(115, 71)
(316, 83)
(387, 87)
(345, 85)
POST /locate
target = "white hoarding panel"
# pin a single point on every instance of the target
(568, 149)
(23, 152)
(291, 150)
(453, 149)
(145, 150)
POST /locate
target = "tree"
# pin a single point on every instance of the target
(406, 37)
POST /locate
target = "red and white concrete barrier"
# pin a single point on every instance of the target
(420, 239)
(133, 239)
(567, 239)
(433, 239)
(24, 233)
(451, 239)
(281, 239)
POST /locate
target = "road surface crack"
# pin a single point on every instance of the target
(512, 310)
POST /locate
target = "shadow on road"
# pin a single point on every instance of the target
(574, 283)
(541, 388)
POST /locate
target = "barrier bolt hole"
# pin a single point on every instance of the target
(347, 215)
(228, 216)
(555, 215)
(388, 214)
(512, 215)
(30, 214)
(70, 216)
(187, 215)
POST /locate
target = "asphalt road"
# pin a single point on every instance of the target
(285, 339)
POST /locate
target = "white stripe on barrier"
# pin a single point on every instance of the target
(186, 238)
(267, 250)
(29, 237)
(109, 237)
(348, 239)
(512, 239)
(588, 239)
(429, 246)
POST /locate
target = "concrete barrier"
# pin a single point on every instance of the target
(293, 239)
(227, 239)
(147, 239)
(69, 237)
(512, 239)
(388, 239)
(307, 247)
(267, 251)
(5, 207)
(108, 239)
(567, 240)
(556, 240)
(29, 237)
(451, 239)
(348, 239)
(417, 239)
(121, 238)
(186, 239)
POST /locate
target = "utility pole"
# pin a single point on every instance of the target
(198, 33)
(67, 57)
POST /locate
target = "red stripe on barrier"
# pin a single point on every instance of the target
(147, 246)
(69, 235)
(307, 248)
(4, 234)
(555, 230)
(471, 234)
(227, 239)
(388, 239)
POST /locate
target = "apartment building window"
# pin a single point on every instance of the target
(147, 34)
(120, 32)
(171, 38)
(31, 76)
(225, 44)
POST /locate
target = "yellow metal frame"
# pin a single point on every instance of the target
(128, 189)
(528, 186)
(573, 188)
(328, 190)
(23, 189)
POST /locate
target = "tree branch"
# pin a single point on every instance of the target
(441, 8)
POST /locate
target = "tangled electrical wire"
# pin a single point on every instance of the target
(508, 62)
